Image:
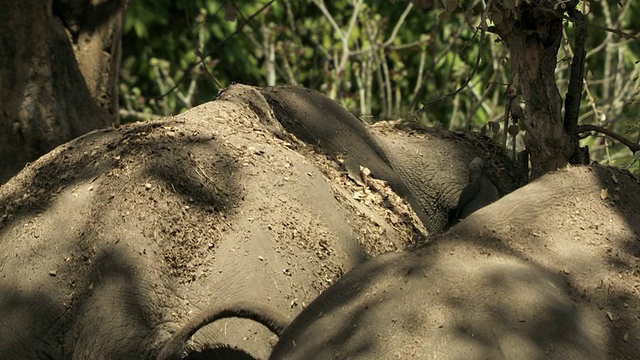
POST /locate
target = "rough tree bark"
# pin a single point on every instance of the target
(532, 33)
(59, 66)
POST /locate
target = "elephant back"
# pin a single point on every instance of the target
(317, 120)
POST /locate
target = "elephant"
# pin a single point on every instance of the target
(111, 242)
(490, 295)
(319, 121)
(426, 166)
(434, 165)
(549, 271)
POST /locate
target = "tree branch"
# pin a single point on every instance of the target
(394, 33)
(466, 82)
(628, 143)
(595, 26)
(576, 77)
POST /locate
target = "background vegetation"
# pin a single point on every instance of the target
(380, 59)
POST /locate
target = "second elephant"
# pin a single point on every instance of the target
(500, 285)
(549, 271)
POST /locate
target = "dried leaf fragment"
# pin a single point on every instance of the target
(604, 193)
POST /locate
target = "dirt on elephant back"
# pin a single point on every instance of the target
(146, 175)
(590, 232)
(199, 203)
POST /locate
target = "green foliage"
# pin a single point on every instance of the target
(611, 99)
(396, 60)
(304, 48)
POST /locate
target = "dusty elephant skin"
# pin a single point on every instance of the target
(427, 167)
(316, 119)
(550, 271)
(110, 243)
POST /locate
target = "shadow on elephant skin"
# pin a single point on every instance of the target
(220, 352)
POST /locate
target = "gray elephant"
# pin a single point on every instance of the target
(549, 271)
(426, 166)
(434, 165)
(111, 242)
(506, 283)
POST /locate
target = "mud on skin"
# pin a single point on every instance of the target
(109, 243)
(519, 278)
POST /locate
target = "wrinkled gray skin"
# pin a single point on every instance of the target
(479, 193)
(100, 283)
(434, 164)
(494, 287)
(88, 235)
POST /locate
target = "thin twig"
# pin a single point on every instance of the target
(599, 27)
(628, 143)
(466, 81)
(394, 33)
(443, 53)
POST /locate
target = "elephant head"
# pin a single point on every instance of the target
(434, 165)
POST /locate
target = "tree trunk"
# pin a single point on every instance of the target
(59, 66)
(532, 33)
